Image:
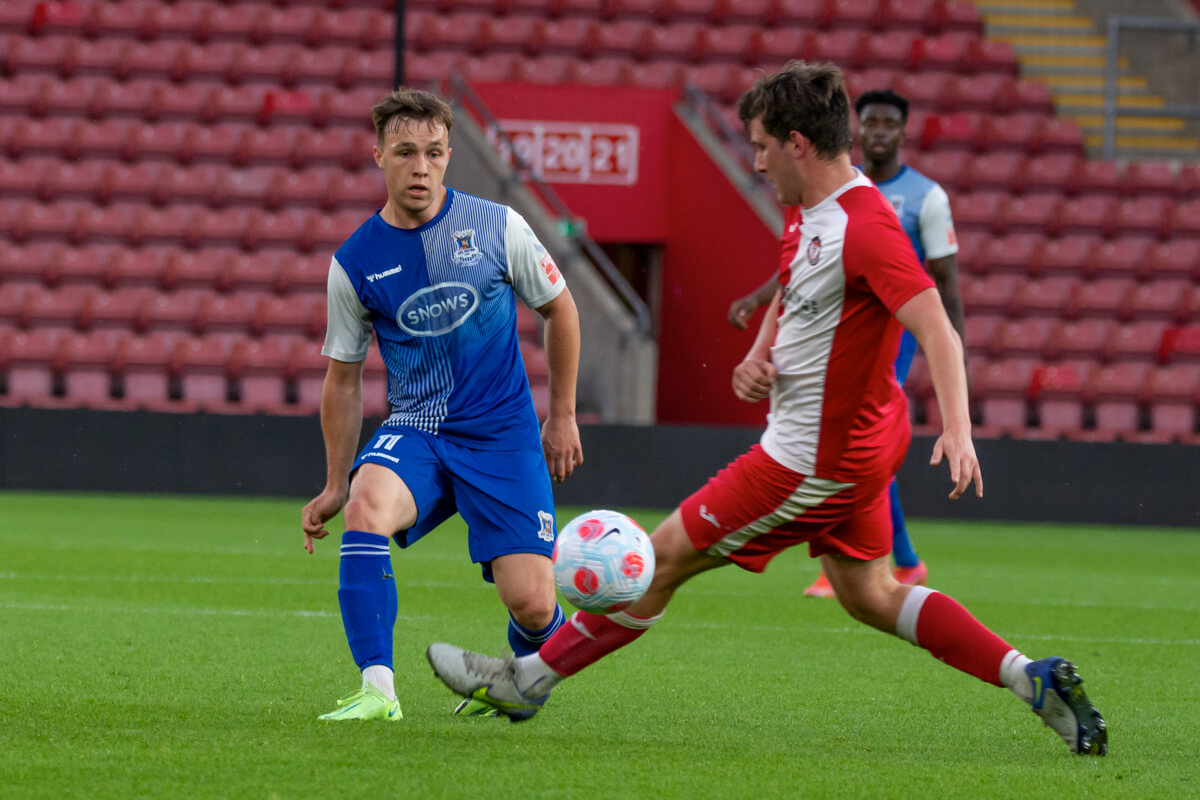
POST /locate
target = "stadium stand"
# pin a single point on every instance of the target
(175, 174)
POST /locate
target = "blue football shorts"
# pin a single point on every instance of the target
(504, 496)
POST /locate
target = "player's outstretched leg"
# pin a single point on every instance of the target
(1059, 699)
(523, 642)
(492, 681)
(821, 587)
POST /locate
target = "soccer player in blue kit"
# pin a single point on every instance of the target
(924, 211)
(436, 274)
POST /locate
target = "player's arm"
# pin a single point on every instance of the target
(941, 247)
(926, 318)
(560, 433)
(347, 337)
(742, 309)
(945, 276)
(755, 375)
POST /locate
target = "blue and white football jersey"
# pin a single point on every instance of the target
(442, 301)
(924, 211)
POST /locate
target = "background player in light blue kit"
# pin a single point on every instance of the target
(924, 211)
(436, 274)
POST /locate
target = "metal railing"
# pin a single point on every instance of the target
(524, 173)
(1116, 24)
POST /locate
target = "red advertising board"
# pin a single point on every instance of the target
(603, 149)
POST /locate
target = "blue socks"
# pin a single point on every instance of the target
(367, 596)
(902, 547)
(524, 641)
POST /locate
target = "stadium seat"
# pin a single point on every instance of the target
(624, 38)
(164, 141)
(603, 71)
(513, 34)
(1185, 221)
(841, 45)
(182, 20)
(1025, 338)
(1188, 182)
(772, 47)
(89, 266)
(1115, 392)
(852, 13)
(727, 44)
(1147, 216)
(306, 368)
(162, 60)
(294, 314)
(1171, 393)
(1012, 254)
(1082, 339)
(24, 178)
(1142, 178)
(55, 308)
(1087, 213)
(1066, 255)
(1178, 258)
(1026, 97)
(292, 25)
(73, 179)
(979, 211)
(233, 313)
(367, 68)
(310, 274)
(142, 365)
(363, 190)
(994, 171)
(259, 370)
(985, 92)
(1031, 212)
(1052, 297)
(331, 147)
(1058, 135)
(564, 37)
(745, 12)
(86, 362)
(547, 70)
(48, 18)
(12, 303)
(949, 168)
(979, 331)
(195, 269)
(958, 131)
(1181, 344)
(1057, 391)
(988, 295)
(1137, 341)
(1051, 172)
(1105, 298)
(25, 265)
(800, 13)
(47, 55)
(112, 20)
(1126, 257)
(143, 266)
(1162, 299)
(201, 364)
(46, 137)
(174, 311)
(1012, 132)
(133, 183)
(1003, 391)
(30, 374)
(119, 309)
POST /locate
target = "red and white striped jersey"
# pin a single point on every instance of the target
(847, 266)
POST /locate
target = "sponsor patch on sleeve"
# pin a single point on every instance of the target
(550, 268)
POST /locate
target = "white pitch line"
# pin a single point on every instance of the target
(201, 579)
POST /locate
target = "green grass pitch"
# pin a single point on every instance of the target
(162, 646)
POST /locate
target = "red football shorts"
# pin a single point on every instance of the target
(756, 508)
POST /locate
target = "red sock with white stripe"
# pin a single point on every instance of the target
(584, 640)
(938, 623)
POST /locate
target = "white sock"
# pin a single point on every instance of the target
(380, 677)
(1012, 675)
(534, 677)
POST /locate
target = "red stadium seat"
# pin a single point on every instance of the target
(1143, 178)
(109, 20)
(1046, 173)
(1012, 132)
(24, 178)
(1137, 341)
(572, 36)
(958, 131)
(988, 295)
(949, 168)
(1181, 344)
(1003, 391)
(89, 266)
(1057, 391)
(604, 71)
(1162, 299)
(55, 308)
(12, 303)
(944, 53)
(290, 315)
(985, 54)
(1115, 392)
(307, 368)
(509, 34)
(1032, 212)
(744, 12)
(86, 362)
(174, 311)
(775, 46)
(48, 55)
(332, 147)
(140, 267)
(1188, 182)
(985, 92)
(310, 274)
(31, 366)
(547, 70)
(1012, 254)
(73, 179)
(202, 364)
(117, 310)
(729, 44)
(196, 269)
(979, 330)
(624, 38)
(998, 171)
(367, 68)
(182, 20)
(227, 313)
(1106, 298)
(1045, 297)
(1085, 339)
(1143, 216)
(1087, 214)
(1096, 177)
(1058, 135)
(143, 365)
(800, 13)
(1067, 255)
(853, 13)
(979, 211)
(259, 368)
(1178, 258)
(1185, 222)
(1027, 97)
(891, 49)
(363, 190)
(840, 45)
(1171, 393)
(1127, 257)
(21, 265)
(133, 183)
(972, 247)
(1026, 338)
(46, 137)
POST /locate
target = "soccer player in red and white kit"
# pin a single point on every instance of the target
(837, 433)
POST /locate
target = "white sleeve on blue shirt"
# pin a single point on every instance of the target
(531, 270)
(936, 225)
(348, 324)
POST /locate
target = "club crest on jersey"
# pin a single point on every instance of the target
(814, 250)
(465, 252)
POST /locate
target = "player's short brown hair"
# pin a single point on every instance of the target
(808, 98)
(406, 103)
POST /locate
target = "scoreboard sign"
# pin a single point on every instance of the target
(573, 152)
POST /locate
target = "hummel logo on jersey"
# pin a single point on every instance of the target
(386, 274)
(709, 516)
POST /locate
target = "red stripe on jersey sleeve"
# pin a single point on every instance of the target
(878, 255)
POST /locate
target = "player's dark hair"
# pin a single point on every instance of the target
(882, 97)
(808, 98)
(406, 103)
